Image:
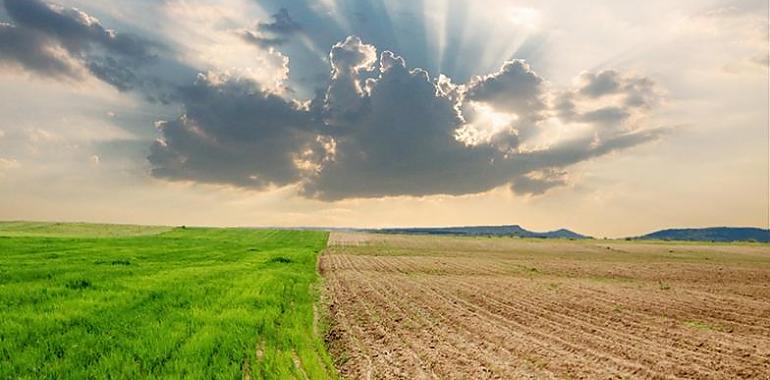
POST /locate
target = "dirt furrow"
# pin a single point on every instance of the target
(592, 323)
(550, 339)
(426, 307)
(392, 359)
(589, 332)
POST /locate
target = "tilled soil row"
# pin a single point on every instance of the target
(473, 315)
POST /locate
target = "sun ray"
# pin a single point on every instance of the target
(335, 13)
(456, 37)
(435, 19)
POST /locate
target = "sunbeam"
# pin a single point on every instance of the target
(434, 17)
(332, 9)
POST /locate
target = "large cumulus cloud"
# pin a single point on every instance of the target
(382, 129)
(233, 132)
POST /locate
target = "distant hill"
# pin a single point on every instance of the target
(510, 230)
(721, 234)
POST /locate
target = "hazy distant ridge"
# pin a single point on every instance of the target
(718, 234)
(721, 234)
(509, 230)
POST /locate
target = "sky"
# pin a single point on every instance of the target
(609, 118)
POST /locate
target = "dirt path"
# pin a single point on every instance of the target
(460, 308)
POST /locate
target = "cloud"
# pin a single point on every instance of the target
(608, 98)
(282, 24)
(54, 41)
(538, 182)
(515, 88)
(8, 163)
(233, 132)
(114, 72)
(75, 30)
(604, 83)
(382, 129)
(398, 139)
(345, 94)
(274, 33)
(261, 41)
(31, 50)
(514, 98)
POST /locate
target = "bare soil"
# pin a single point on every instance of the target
(414, 307)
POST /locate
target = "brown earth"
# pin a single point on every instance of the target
(415, 307)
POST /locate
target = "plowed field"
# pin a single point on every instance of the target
(416, 307)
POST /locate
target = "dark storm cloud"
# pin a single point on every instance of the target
(64, 42)
(381, 129)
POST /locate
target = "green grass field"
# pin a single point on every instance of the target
(45, 229)
(94, 301)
